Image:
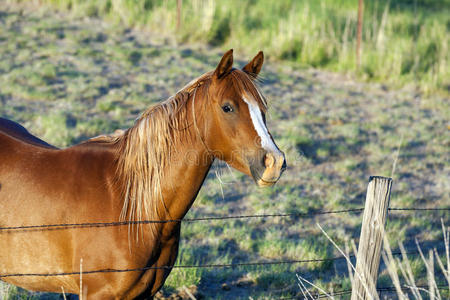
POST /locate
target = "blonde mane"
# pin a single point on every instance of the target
(146, 149)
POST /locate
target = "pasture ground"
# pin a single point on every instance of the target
(404, 42)
(69, 78)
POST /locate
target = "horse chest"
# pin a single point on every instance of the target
(164, 253)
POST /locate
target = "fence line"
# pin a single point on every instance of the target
(233, 265)
(317, 295)
(189, 220)
(205, 266)
(418, 209)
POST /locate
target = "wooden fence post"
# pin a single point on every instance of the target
(179, 12)
(371, 239)
(359, 33)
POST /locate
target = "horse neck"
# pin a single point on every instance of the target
(184, 178)
(164, 162)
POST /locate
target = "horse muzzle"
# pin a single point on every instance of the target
(268, 169)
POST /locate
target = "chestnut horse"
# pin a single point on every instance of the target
(152, 171)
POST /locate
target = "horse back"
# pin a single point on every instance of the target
(19, 132)
(38, 169)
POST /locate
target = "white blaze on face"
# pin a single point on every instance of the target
(261, 129)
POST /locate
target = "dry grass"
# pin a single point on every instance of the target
(68, 79)
(404, 42)
(400, 272)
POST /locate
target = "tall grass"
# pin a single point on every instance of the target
(404, 41)
(400, 271)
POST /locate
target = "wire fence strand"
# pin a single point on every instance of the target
(317, 295)
(419, 209)
(205, 266)
(189, 220)
(233, 265)
(186, 220)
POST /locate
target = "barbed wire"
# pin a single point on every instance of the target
(189, 220)
(205, 266)
(317, 295)
(233, 265)
(419, 209)
(172, 267)
(106, 224)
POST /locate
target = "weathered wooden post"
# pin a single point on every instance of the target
(179, 12)
(371, 239)
(359, 33)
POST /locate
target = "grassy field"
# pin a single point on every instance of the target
(405, 42)
(67, 78)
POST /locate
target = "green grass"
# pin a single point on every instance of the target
(67, 79)
(405, 42)
(10, 292)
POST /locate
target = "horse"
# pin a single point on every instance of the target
(151, 171)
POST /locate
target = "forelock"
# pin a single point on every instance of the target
(244, 85)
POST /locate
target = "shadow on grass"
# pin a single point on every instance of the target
(331, 149)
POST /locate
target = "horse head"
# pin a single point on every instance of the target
(236, 118)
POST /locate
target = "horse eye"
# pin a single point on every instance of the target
(227, 108)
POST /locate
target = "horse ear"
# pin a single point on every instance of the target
(225, 64)
(253, 67)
